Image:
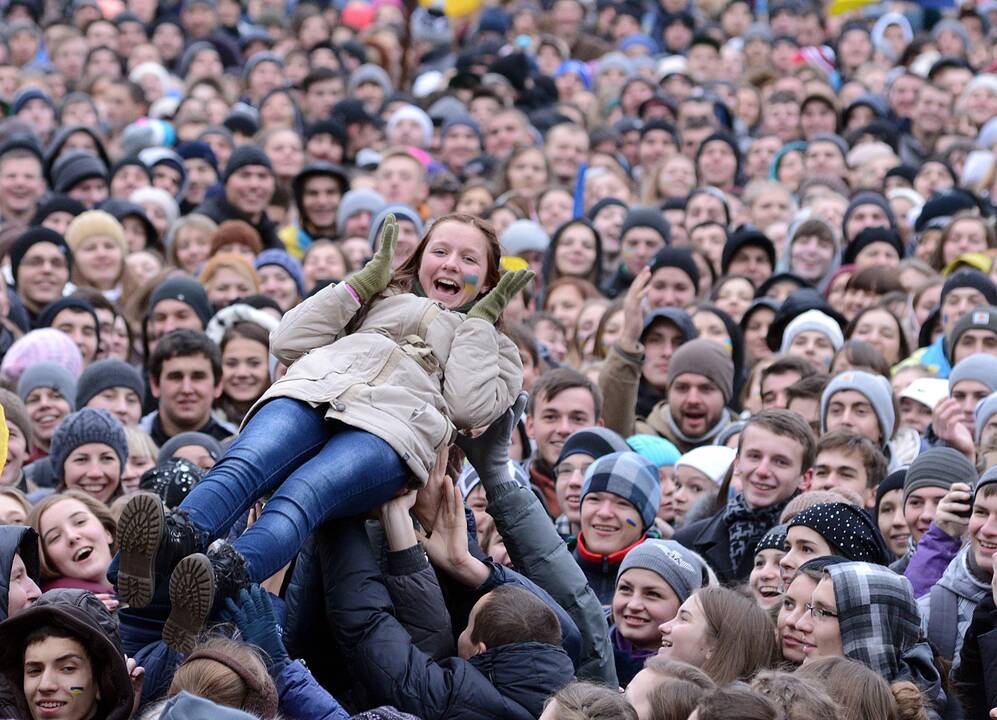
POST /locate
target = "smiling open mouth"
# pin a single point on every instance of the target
(82, 554)
(447, 287)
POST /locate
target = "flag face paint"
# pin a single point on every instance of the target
(470, 282)
(76, 690)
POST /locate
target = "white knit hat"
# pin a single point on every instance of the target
(712, 460)
(813, 320)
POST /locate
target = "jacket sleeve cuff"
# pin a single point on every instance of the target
(633, 358)
(408, 561)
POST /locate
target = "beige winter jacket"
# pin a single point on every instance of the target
(411, 374)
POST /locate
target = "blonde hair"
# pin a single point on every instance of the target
(17, 496)
(140, 443)
(98, 509)
(194, 221)
(815, 497)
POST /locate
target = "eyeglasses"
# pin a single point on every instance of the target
(819, 613)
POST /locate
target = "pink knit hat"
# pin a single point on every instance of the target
(47, 344)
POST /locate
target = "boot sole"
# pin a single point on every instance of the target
(140, 532)
(192, 591)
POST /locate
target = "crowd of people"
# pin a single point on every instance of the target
(558, 359)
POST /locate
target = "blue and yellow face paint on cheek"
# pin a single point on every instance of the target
(470, 283)
(75, 691)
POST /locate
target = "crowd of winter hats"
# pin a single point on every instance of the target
(762, 328)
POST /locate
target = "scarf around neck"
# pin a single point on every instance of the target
(704, 439)
(747, 525)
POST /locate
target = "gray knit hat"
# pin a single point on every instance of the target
(368, 73)
(987, 478)
(87, 426)
(707, 358)
(524, 236)
(813, 320)
(184, 439)
(985, 409)
(594, 442)
(74, 167)
(355, 201)
(677, 566)
(402, 212)
(48, 375)
(938, 467)
(629, 476)
(469, 478)
(105, 374)
(877, 391)
(979, 367)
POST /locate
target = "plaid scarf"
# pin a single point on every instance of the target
(747, 525)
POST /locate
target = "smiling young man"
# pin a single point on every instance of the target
(562, 401)
(40, 263)
(619, 501)
(775, 455)
(579, 451)
(947, 608)
(862, 402)
(185, 375)
(318, 190)
(849, 461)
(248, 186)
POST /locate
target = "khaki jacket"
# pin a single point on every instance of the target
(412, 373)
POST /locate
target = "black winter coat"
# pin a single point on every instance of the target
(219, 209)
(505, 683)
(976, 676)
(711, 539)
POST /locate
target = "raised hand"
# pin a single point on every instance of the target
(254, 616)
(952, 516)
(633, 313)
(947, 423)
(488, 453)
(490, 307)
(447, 547)
(376, 274)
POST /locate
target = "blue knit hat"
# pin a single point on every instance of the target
(877, 391)
(87, 426)
(592, 441)
(629, 476)
(284, 261)
(658, 450)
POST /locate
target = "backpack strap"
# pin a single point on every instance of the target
(943, 620)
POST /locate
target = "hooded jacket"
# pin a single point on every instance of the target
(508, 682)
(411, 373)
(219, 209)
(968, 590)
(16, 540)
(108, 664)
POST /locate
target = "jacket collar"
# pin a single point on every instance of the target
(612, 559)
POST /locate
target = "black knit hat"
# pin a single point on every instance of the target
(48, 313)
(649, 218)
(33, 236)
(871, 236)
(848, 529)
(893, 481)
(74, 167)
(746, 238)
(774, 539)
(780, 277)
(676, 257)
(594, 442)
(54, 204)
(969, 278)
(186, 290)
(793, 306)
(943, 204)
(105, 374)
(244, 156)
(603, 204)
(869, 197)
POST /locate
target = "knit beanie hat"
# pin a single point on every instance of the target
(894, 481)
(55, 203)
(987, 478)
(969, 278)
(877, 391)
(213, 447)
(286, 263)
(985, 409)
(649, 218)
(244, 156)
(746, 238)
(48, 313)
(16, 414)
(524, 236)
(74, 167)
(603, 204)
(871, 236)
(198, 150)
(677, 566)
(411, 112)
(92, 223)
(869, 197)
(47, 375)
(712, 460)
(31, 237)
(706, 358)
(236, 232)
(258, 59)
(88, 425)
(159, 197)
(774, 539)
(356, 201)
(460, 120)
(368, 73)
(629, 476)
(469, 478)
(677, 257)
(660, 451)
(186, 290)
(592, 441)
(938, 467)
(983, 317)
(813, 320)
(40, 346)
(238, 263)
(848, 529)
(979, 367)
(402, 213)
(172, 480)
(105, 374)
